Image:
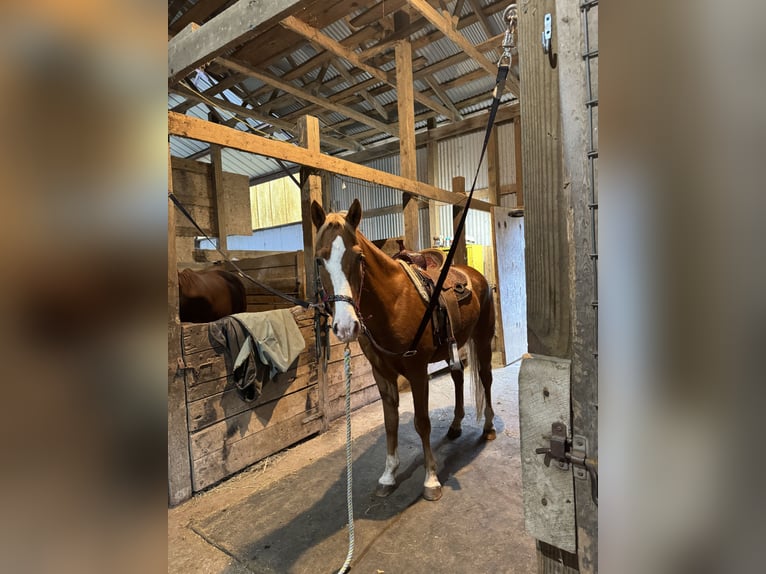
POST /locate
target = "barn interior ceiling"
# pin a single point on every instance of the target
(335, 61)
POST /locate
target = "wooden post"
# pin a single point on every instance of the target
(493, 168)
(311, 190)
(461, 253)
(221, 209)
(433, 210)
(575, 143)
(179, 463)
(407, 153)
(518, 162)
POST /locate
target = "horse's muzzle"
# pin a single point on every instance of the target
(346, 332)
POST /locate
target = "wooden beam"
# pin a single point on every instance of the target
(220, 197)
(179, 463)
(493, 168)
(248, 70)
(229, 29)
(461, 252)
(311, 190)
(476, 7)
(407, 153)
(518, 161)
(289, 127)
(197, 129)
(331, 45)
(445, 27)
(433, 83)
(370, 99)
(377, 12)
(472, 51)
(198, 13)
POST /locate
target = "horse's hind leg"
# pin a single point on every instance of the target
(455, 428)
(389, 394)
(483, 356)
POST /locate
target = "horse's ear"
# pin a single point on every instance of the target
(317, 214)
(354, 215)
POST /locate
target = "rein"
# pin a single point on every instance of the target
(511, 17)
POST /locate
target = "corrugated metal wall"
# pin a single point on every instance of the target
(456, 157)
(344, 190)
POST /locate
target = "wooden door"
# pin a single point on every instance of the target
(511, 282)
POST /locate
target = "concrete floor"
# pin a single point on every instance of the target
(288, 514)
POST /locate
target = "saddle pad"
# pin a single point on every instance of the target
(456, 280)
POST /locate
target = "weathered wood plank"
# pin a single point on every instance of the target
(544, 196)
(252, 420)
(195, 128)
(461, 252)
(549, 509)
(337, 407)
(407, 152)
(179, 467)
(231, 28)
(211, 468)
(227, 404)
(569, 44)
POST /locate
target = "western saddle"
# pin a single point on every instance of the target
(423, 268)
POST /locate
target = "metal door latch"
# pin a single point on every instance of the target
(574, 451)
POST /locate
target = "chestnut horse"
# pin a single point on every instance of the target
(376, 302)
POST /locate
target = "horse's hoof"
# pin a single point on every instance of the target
(453, 433)
(489, 434)
(432, 493)
(384, 490)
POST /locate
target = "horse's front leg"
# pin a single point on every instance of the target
(432, 488)
(389, 394)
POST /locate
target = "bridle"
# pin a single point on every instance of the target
(325, 299)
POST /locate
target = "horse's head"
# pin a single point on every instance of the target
(339, 259)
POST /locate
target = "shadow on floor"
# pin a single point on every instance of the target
(300, 523)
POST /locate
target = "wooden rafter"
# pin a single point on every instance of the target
(249, 113)
(315, 36)
(477, 9)
(434, 85)
(445, 27)
(244, 68)
(374, 103)
(231, 28)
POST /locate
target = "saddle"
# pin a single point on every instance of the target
(423, 268)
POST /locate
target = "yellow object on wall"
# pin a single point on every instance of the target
(474, 254)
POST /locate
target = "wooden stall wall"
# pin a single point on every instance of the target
(227, 434)
(194, 185)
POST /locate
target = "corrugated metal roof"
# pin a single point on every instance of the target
(339, 31)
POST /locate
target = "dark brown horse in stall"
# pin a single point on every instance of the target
(383, 305)
(210, 294)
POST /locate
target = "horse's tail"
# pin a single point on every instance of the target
(478, 388)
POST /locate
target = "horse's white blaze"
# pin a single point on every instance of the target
(392, 463)
(344, 320)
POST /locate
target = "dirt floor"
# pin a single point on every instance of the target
(288, 513)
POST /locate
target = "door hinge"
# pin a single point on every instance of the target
(574, 452)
